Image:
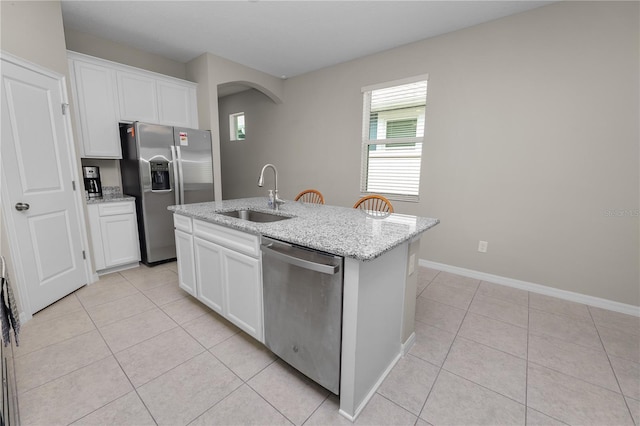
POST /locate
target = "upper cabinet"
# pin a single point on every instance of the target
(138, 97)
(106, 93)
(97, 115)
(177, 104)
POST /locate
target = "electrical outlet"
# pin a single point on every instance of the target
(482, 246)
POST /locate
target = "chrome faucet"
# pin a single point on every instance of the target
(276, 200)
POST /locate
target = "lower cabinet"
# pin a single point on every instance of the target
(186, 269)
(209, 273)
(228, 272)
(114, 234)
(243, 291)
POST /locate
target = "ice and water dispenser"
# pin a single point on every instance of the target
(160, 175)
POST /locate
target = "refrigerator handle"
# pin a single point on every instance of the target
(175, 166)
(180, 176)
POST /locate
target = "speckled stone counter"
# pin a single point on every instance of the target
(110, 194)
(341, 231)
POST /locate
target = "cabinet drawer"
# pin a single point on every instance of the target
(110, 209)
(235, 240)
(182, 223)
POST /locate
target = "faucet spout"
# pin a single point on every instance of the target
(276, 200)
(275, 172)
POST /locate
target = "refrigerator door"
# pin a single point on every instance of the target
(193, 151)
(157, 192)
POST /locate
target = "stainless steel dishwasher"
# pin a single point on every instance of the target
(303, 309)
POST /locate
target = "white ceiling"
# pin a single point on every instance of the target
(281, 38)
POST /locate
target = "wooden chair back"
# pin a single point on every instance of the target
(375, 203)
(310, 196)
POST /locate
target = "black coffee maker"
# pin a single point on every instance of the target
(92, 184)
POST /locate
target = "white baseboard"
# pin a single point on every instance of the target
(372, 391)
(536, 288)
(406, 346)
(117, 268)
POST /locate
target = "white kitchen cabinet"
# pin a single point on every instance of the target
(94, 90)
(243, 291)
(209, 261)
(186, 270)
(177, 104)
(138, 97)
(114, 234)
(106, 93)
(185, 254)
(228, 271)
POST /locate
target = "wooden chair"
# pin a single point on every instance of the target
(375, 203)
(310, 196)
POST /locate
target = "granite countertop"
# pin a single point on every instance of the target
(110, 194)
(341, 231)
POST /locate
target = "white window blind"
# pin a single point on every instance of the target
(392, 137)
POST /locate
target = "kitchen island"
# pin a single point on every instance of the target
(380, 256)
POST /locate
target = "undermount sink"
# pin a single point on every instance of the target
(254, 216)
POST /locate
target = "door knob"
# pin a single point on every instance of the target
(22, 206)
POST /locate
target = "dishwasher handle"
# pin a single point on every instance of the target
(302, 263)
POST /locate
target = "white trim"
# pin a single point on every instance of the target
(77, 56)
(406, 346)
(118, 268)
(8, 57)
(79, 194)
(373, 390)
(399, 82)
(537, 288)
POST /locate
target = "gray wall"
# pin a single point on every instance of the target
(210, 72)
(117, 52)
(532, 137)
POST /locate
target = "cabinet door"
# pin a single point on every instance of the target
(176, 104)
(119, 239)
(209, 274)
(96, 236)
(97, 110)
(186, 266)
(138, 100)
(243, 292)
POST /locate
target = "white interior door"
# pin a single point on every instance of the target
(38, 199)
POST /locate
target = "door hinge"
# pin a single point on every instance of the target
(84, 255)
(65, 108)
(73, 184)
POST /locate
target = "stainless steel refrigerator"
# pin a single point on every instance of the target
(162, 166)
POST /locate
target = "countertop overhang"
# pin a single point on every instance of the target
(337, 230)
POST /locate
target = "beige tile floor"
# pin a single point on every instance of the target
(134, 349)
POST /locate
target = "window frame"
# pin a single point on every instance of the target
(366, 142)
(233, 126)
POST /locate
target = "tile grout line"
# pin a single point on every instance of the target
(400, 406)
(314, 411)
(476, 313)
(123, 372)
(624, 399)
(424, 404)
(205, 350)
(52, 344)
(526, 373)
(276, 408)
(64, 375)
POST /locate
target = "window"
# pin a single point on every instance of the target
(236, 126)
(393, 132)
